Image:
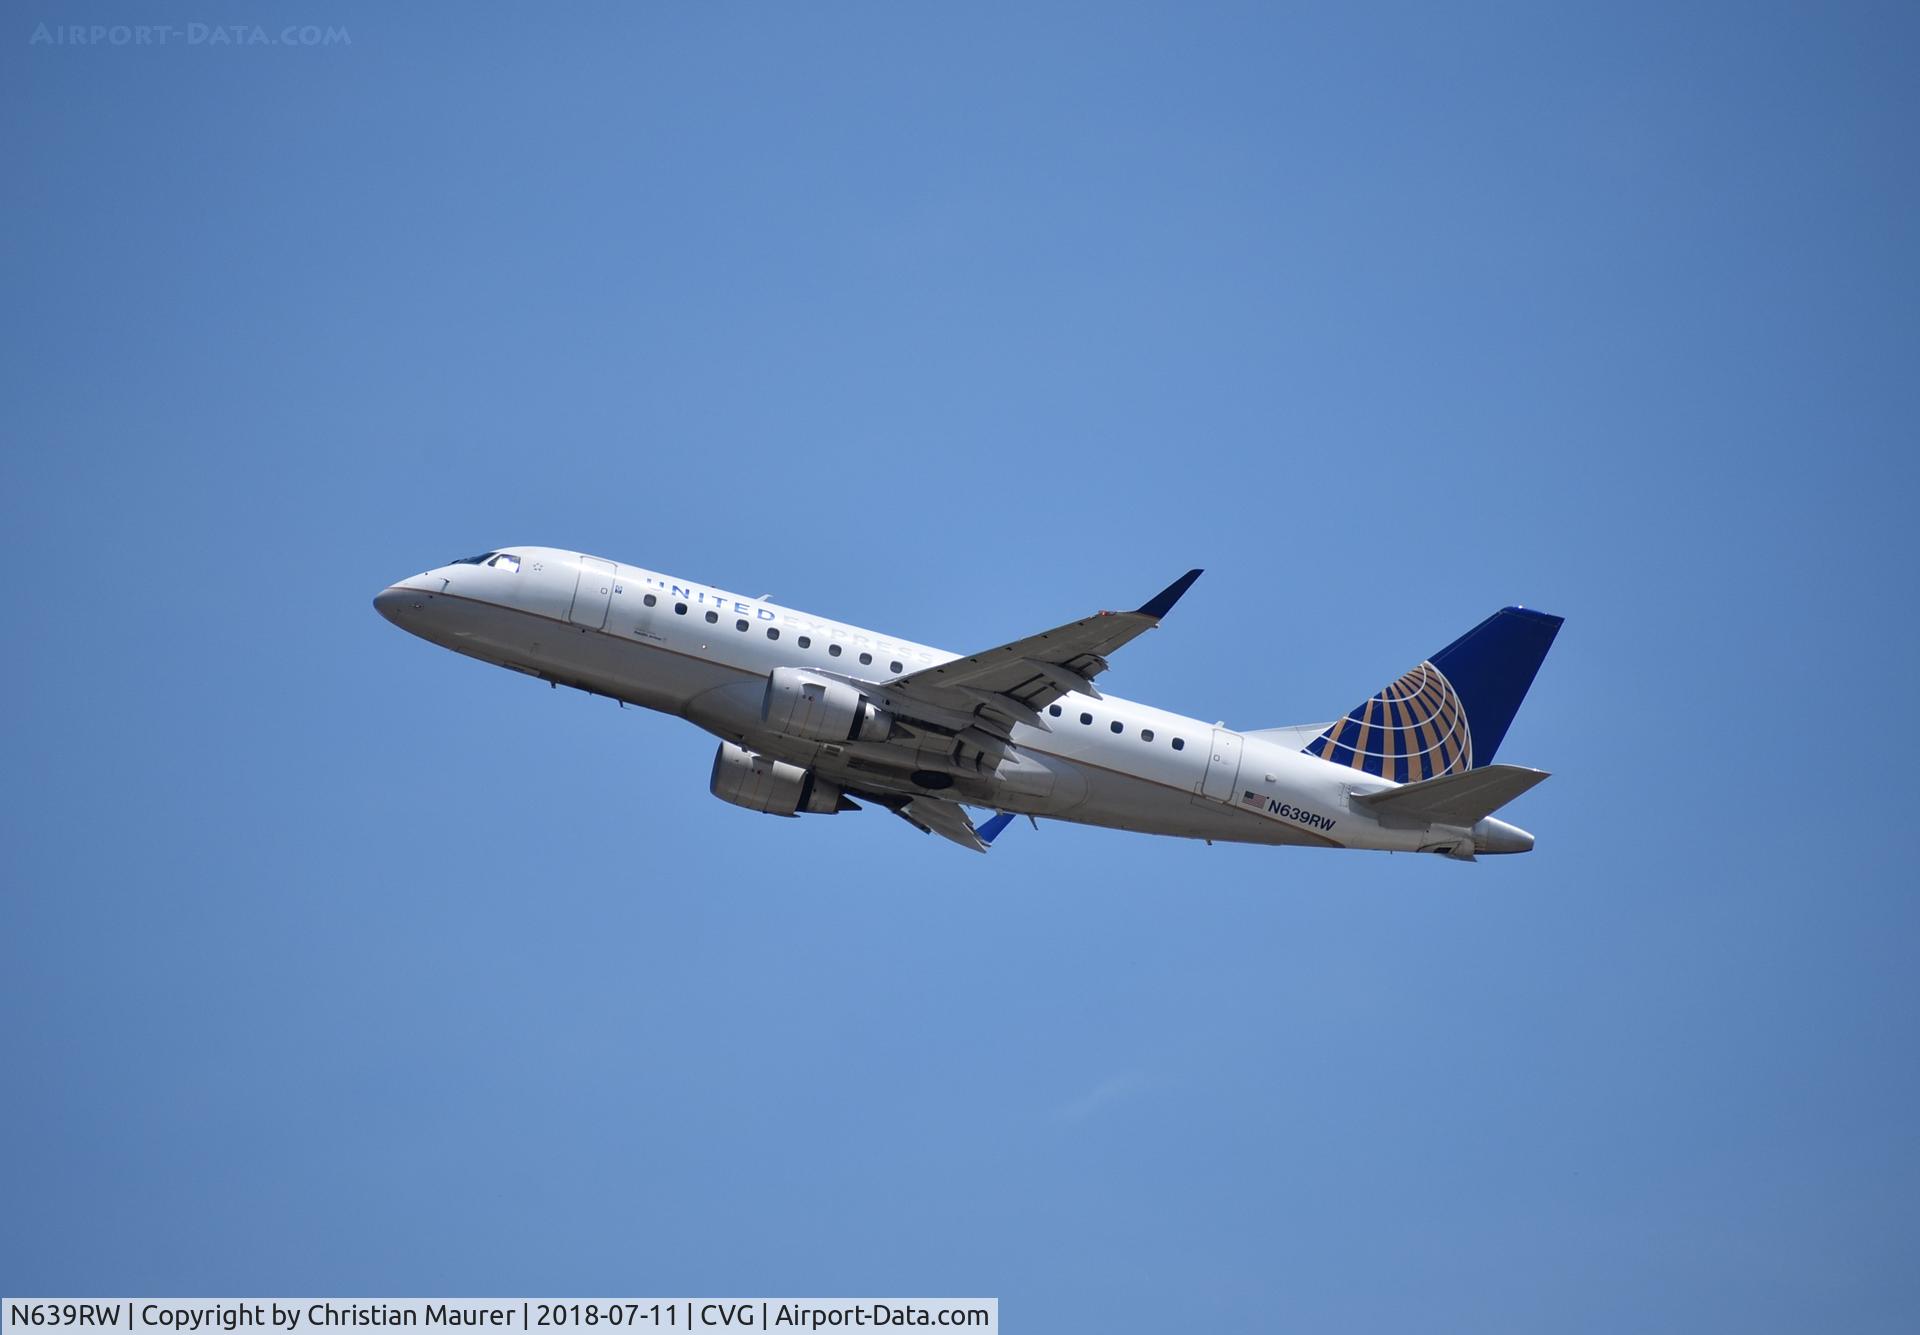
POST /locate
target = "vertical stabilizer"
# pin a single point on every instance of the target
(1450, 713)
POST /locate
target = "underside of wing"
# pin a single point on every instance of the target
(935, 815)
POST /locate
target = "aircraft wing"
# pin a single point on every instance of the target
(1014, 682)
(936, 815)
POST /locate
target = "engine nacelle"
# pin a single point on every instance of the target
(761, 783)
(820, 709)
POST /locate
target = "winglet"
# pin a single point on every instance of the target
(1162, 602)
(991, 830)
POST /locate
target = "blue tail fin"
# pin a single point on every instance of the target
(1451, 712)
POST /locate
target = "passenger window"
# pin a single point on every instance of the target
(894, 666)
(1117, 726)
(833, 651)
(1179, 744)
(650, 600)
(866, 659)
(740, 625)
(806, 641)
(772, 633)
(1146, 734)
(679, 609)
(712, 617)
(1086, 718)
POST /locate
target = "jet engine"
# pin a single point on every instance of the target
(761, 783)
(820, 709)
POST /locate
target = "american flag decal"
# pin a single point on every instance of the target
(1253, 799)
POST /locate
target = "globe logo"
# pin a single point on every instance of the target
(1414, 729)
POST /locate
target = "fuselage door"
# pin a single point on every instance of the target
(592, 593)
(1223, 767)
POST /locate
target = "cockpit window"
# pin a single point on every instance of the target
(498, 560)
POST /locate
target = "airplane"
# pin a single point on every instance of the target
(815, 716)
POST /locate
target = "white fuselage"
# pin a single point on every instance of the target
(705, 654)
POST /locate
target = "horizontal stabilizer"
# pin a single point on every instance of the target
(1453, 799)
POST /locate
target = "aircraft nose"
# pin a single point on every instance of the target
(393, 602)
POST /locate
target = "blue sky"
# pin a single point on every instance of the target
(332, 963)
